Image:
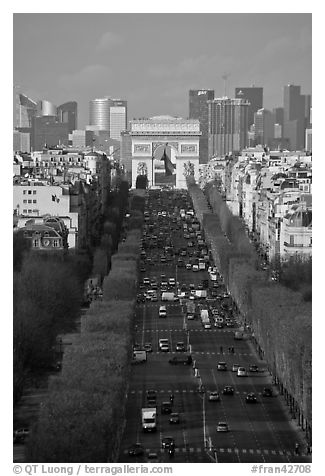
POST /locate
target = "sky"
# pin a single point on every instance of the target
(152, 60)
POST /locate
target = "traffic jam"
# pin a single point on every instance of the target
(198, 392)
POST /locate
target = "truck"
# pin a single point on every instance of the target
(139, 356)
(149, 419)
(201, 293)
(201, 264)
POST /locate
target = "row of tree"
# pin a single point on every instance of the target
(280, 317)
(82, 417)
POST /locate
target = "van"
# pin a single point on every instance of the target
(162, 311)
(140, 356)
(163, 342)
(239, 335)
(168, 296)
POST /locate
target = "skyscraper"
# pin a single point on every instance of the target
(68, 113)
(109, 114)
(228, 126)
(198, 109)
(294, 116)
(46, 108)
(26, 109)
(263, 127)
(117, 118)
(254, 95)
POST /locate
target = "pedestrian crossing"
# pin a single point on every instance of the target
(181, 329)
(221, 451)
(184, 391)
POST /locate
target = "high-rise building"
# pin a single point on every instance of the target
(26, 109)
(228, 126)
(254, 95)
(278, 113)
(294, 116)
(49, 132)
(198, 109)
(117, 118)
(68, 113)
(81, 138)
(108, 114)
(46, 108)
(263, 127)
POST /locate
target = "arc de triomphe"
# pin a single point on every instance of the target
(177, 137)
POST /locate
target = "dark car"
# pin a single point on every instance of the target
(251, 398)
(183, 360)
(166, 408)
(253, 368)
(267, 392)
(136, 450)
(174, 418)
(151, 397)
(180, 347)
(228, 390)
(148, 347)
(221, 366)
(167, 442)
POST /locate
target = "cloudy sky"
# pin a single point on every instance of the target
(152, 60)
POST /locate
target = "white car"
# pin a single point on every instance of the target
(214, 397)
(241, 372)
(222, 426)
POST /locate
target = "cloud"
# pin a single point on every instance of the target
(91, 74)
(108, 40)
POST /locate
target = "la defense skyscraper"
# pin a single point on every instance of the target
(228, 126)
(198, 109)
(108, 114)
(254, 95)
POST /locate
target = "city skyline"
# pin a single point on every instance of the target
(120, 58)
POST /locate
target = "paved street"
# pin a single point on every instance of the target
(258, 432)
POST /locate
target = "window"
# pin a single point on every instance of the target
(34, 201)
(29, 192)
(34, 192)
(36, 243)
(29, 201)
(35, 210)
(56, 243)
(30, 211)
(46, 233)
(24, 201)
(24, 192)
(24, 211)
(292, 240)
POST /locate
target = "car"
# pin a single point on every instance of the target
(180, 347)
(21, 434)
(164, 348)
(174, 418)
(229, 323)
(154, 298)
(241, 372)
(228, 390)
(253, 368)
(148, 347)
(137, 346)
(151, 396)
(221, 366)
(213, 396)
(235, 367)
(267, 392)
(207, 325)
(195, 268)
(152, 457)
(251, 398)
(171, 281)
(222, 426)
(136, 450)
(184, 359)
(167, 442)
(166, 408)
(188, 266)
(162, 311)
(146, 281)
(142, 269)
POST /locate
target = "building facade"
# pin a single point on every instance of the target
(68, 113)
(228, 126)
(254, 95)
(263, 127)
(294, 116)
(166, 149)
(109, 114)
(47, 131)
(198, 109)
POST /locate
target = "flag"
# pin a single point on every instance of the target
(169, 166)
